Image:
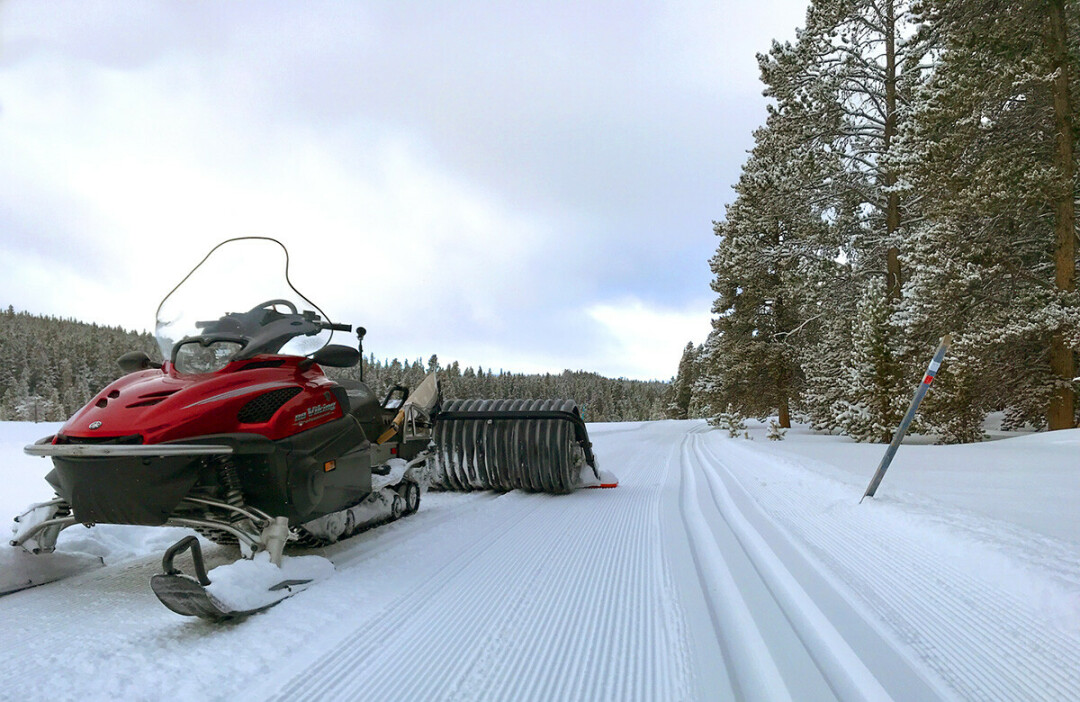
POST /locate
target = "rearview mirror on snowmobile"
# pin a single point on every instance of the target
(136, 361)
(336, 356)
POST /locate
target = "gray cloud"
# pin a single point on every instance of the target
(526, 162)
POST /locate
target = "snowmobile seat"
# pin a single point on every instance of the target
(362, 401)
(364, 406)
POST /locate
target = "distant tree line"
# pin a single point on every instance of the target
(601, 399)
(915, 175)
(50, 367)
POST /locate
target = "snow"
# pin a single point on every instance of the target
(1019, 480)
(247, 584)
(24, 476)
(20, 568)
(718, 569)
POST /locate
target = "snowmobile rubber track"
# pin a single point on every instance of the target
(218, 536)
(532, 445)
(306, 539)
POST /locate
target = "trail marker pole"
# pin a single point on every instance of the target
(920, 393)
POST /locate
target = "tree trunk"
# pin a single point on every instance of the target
(1061, 412)
(785, 414)
(893, 278)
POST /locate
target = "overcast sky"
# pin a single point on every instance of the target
(527, 186)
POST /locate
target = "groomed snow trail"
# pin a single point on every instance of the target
(560, 598)
(984, 641)
(714, 572)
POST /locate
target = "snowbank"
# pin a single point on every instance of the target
(246, 584)
(1031, 480)
(23, 478)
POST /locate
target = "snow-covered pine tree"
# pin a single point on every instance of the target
(866, 412)
(776, 268)
(730, 420)
(989, 150)
(824, 398)
(52, 367)
(707, 388)
(851, 70)
(776, 432)
(682, 387)
(750, 360)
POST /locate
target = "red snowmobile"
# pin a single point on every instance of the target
(241, 436)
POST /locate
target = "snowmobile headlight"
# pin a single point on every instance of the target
(204, 357)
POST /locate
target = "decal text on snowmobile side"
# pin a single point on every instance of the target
(313, 412)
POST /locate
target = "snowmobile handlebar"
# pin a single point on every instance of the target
(260, 330)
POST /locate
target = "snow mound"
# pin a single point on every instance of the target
(20, 569)
(246, 584)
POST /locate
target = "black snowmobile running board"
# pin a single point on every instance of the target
(188, 596)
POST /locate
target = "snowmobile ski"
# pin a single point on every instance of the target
(188, 595)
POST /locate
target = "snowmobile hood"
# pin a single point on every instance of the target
(276, 396)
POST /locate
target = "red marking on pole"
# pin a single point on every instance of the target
(928, 379)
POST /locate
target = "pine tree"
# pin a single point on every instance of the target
(853, 68)
(824, 398)
(989, 150)
(775, 236)
(776, 432)
(851, 71)
(732, 421)
(51, 367)
(682, 387)
(866, 412)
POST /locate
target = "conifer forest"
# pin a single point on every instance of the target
(915, 175)
(51, 367)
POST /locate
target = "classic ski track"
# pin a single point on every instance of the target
(569, 599)
(382, 623)
(844, 668)
(751, 665)
(949, 618)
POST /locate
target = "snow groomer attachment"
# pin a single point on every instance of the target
(533, 445)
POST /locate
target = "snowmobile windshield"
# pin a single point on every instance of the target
(237, 303)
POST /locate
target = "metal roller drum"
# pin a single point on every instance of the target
(533, 445)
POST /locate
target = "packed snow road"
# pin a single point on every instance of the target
(719, 569)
